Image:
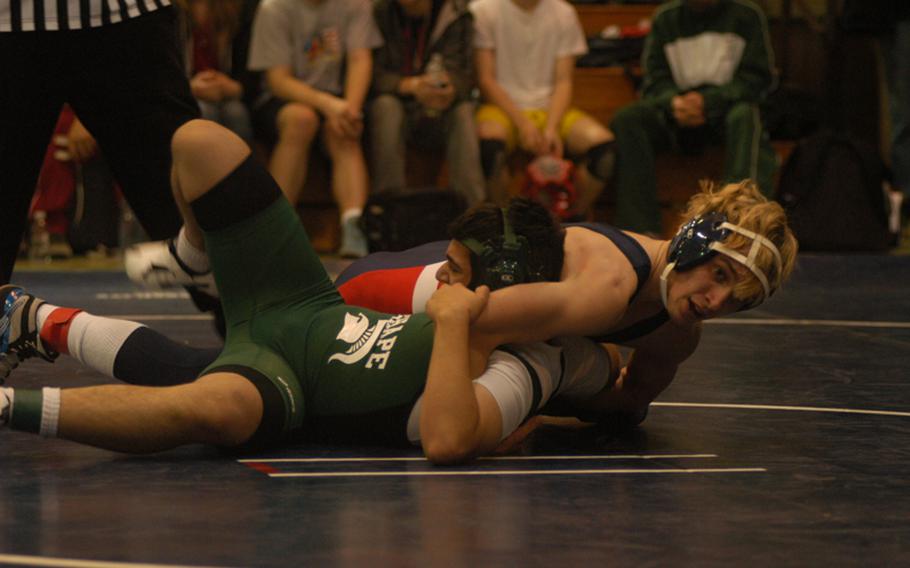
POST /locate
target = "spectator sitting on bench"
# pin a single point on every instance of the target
(303, 46)
(415, 102)
(525, 55)
(211, 55)
(707, 64)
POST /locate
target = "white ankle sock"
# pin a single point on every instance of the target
(50, 412)
(95, 341)
(43, 312)
(196, 259)
(347, 214)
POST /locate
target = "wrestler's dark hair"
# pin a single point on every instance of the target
(529, 219)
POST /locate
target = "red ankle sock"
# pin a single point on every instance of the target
(56, 328)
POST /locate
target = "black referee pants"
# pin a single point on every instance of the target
(125, 82)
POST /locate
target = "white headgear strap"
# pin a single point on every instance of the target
(758, 241)
(663, 282)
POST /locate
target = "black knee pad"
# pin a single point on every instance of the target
(600, 159)
(246, 191)
(492, 155)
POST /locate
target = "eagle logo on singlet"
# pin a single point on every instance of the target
(361, 338)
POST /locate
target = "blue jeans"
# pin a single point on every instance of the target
(231, 114)
(392, 123)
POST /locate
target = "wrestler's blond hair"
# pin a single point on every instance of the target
(746, 207)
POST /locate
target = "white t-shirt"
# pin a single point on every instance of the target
(312, 36)
(527, 45)
(509, 378)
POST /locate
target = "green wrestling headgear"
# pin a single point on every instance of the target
(501, 261)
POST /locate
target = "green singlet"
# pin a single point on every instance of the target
(342, 372)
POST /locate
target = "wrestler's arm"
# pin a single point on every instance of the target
(582, 305)
(514, 441)
(650, 369)
(458, 419)
(623, 401)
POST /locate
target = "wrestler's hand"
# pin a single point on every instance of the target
(617, 369)
(455, 301)
(514, 441)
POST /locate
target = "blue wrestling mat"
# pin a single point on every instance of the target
(784, 441)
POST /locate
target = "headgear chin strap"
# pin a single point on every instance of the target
(501, 262)
(701, 238)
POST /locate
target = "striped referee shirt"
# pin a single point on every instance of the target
(52, 15)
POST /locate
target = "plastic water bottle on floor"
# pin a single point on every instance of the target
(39, 243)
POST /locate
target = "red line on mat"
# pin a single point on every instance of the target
(261, 467)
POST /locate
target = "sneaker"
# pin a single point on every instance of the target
(19, 339)
(156, 265)
(353, 241)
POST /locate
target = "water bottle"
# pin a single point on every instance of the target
(436, 70)
(39, 243)
(436, 73)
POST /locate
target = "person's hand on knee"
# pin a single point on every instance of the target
(530, 137)
(552, 142)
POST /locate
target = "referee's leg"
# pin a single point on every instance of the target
(29, 105)
(132, 94)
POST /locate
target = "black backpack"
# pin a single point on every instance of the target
(831, 188)
(399, 219)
